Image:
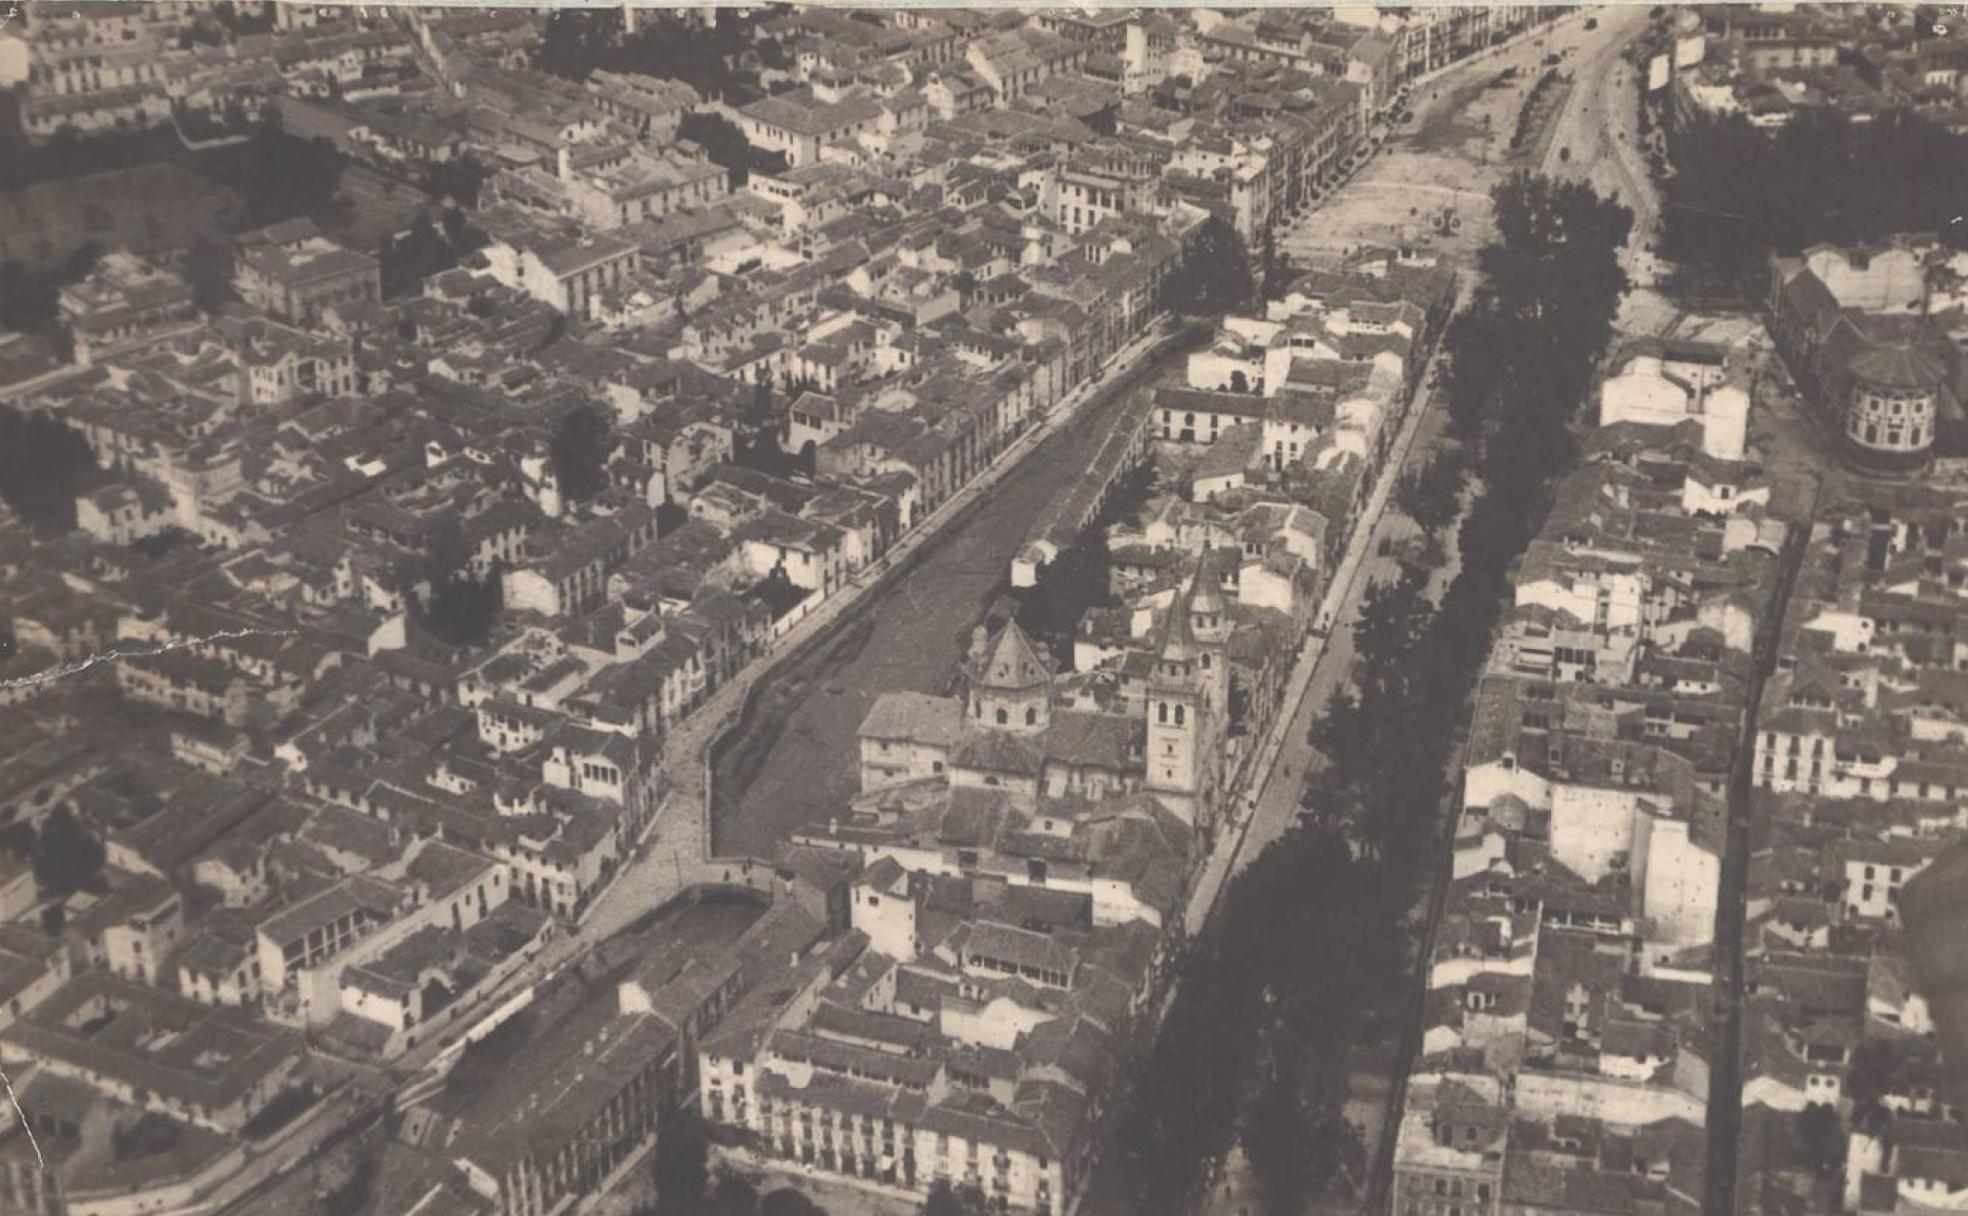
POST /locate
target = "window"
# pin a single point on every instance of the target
(1003, 717)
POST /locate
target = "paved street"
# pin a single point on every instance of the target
(1460, 171)
(1599, 126)
(1272, 793)
(1456, 149)
(1277, 772)
(1596, 137)
(794, 758)
(1452, 153)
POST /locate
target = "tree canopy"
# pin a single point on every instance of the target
(1214, 275)
(459, 604)
(1431, 495)
(1304, 940)
(577, 43)
(1078, 578)
(67, 856)
(458, 179)
(1277, 1122)
(44, 464)
(946, 1200)
(1821, 1137)
(1524, 353)
(208, 269)
(425, 249)
(756, 442)
(733, 1196)
(28, 297)
(681, 1163)
(727, 146)
(1739, 194)
(579, 451)
(788, 1202)
(1312, 937)
(280, 176)
(1878, 1065)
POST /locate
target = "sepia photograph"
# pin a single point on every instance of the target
(886, 609)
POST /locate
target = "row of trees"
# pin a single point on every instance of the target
(1529, 116)
(1432, 495)
(1739, 194)
(1267, 1000)
(68, 153)
(1521, 358)
(1308, 954)
(575, 44)
(277, 175)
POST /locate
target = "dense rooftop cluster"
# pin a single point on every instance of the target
(1569, 1032)
(1772, 64)
(1860, 773)
(1024, 851)
(297, 817)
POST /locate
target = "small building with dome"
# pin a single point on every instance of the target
(1013, 727)
(1873, 337)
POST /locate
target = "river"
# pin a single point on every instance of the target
(791, 761)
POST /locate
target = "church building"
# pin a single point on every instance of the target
(1010, 730)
